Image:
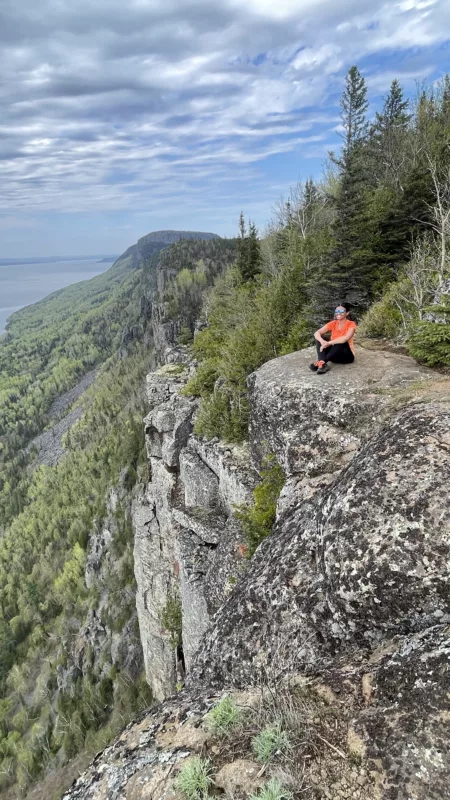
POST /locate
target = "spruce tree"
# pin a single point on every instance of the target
(349, 275)
(249, 250)
(253, 262)
(354, 105)
(394, 115)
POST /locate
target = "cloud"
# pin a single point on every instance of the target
(109, 106)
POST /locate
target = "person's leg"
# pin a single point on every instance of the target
(339, 354)
(314, 365)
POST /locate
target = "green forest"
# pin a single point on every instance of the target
(49, 515)
(372, 231)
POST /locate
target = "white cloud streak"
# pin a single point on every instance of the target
(106, 105)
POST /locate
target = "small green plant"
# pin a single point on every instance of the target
(429, 342)
(224, 717)
(271, 740)
(272, 790)
(171, 619)
(185, 336)
(195, 779)
(258, 520)
(383, 320)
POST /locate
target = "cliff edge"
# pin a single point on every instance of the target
(342, 615)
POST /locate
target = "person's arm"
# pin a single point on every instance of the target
(346, 337)
(318, 336)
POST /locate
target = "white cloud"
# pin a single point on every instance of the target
(109, 106)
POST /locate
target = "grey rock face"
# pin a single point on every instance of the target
(186, 537)
(201, 485)
(388, 717)
(353, 559)
(347, 598)
(315, 423)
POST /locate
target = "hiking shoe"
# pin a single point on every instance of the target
(322, 367)
(314, 366)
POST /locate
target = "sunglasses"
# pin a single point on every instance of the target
(339, 310)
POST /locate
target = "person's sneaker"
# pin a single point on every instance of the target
(322, 367)
(314, 366)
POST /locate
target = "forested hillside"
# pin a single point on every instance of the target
(70, 654)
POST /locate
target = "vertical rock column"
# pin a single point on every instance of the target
(167, 428)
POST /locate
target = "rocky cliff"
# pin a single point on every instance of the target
(342, 615)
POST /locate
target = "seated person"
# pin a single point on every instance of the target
(340, 348)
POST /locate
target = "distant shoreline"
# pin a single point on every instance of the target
(16, 262)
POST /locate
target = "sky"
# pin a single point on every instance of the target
(119, 118)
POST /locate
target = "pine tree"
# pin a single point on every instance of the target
(394, 114)
(354, 105)
(253, 263)
(349, 275)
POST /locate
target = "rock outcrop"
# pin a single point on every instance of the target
(359, 557)
(344, 608)
(186, 535)
(376, 730)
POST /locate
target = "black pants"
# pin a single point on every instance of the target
(339, 353)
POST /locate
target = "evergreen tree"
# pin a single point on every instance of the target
(354, 105)
(349, 275)
(242, 244)
(249, 250)
(394, 115)
(388, 137)
(253, 253)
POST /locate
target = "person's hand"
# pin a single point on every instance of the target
(324, 346)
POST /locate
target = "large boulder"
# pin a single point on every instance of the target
(315, 423)
(365, 558)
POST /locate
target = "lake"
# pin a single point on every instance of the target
(23, 284)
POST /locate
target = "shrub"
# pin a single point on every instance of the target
(271, 740)
(224, 717)
(429, 342)
(223, 414)
(273, 790)
(299, 336)
(195, 779)
(258, 520)
(202, 382)
(383, 320)
(185, 336)
(171, 619)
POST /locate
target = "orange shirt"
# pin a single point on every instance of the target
(340, 328)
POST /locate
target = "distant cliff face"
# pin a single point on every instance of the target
(154, 242)
(346, 603)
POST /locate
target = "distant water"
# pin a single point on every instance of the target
(23, 284)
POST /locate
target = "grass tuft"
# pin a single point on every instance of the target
(224, 717)
(273, 790)
(195, 779)
(272, 740)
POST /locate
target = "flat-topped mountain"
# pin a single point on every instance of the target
(136, 255)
